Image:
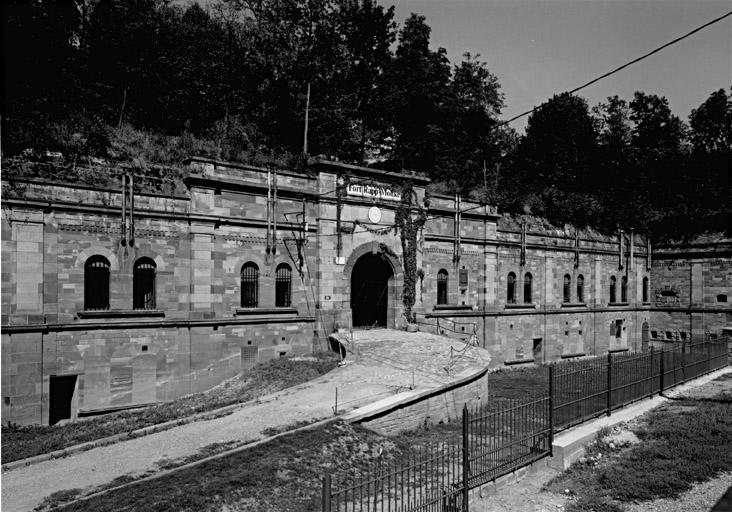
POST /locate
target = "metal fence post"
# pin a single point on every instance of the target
(551, 410)
(660, 374)
(683, 363)
(609, 382)
(326, 493)
(466, 469)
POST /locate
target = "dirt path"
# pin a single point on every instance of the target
(382, 366)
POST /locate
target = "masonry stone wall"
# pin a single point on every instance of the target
(198, 334)
(440, 405)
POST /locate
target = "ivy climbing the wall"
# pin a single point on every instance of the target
(409, 219)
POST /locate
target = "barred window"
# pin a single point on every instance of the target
(580, 288)
(143, 284)
(624, 289)
(567, 296)
(249, 285)
(442, 286)
(527, 288)
(283, 286)
(613, 296)
(96, 283)
(511, 289)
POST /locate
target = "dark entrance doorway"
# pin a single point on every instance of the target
(61, 393)
(370, 290)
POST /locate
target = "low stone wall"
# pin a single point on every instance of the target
(412, 410)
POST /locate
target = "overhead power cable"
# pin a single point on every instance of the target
(630, 63)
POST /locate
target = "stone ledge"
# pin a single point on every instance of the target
(121, 313)
(521, 306)
(265, 311)
(512, 362)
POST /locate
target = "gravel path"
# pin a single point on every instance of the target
(702, 496)
(373, 373)
(524, 496)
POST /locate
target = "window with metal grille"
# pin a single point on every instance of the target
(249, 285)
(624, 289)
(283, 286)
(143, 284)
(580, 288)
(442, 286)
(511, 289)
(527, 288)
(613, 296)
(567, 296)
(645, 289)
(96, 283)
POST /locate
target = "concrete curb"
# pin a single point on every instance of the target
(406, 398)
(144, 431)
(569, 446)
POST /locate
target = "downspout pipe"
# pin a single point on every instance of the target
(132, 211)
(123, 227)
(274, 216)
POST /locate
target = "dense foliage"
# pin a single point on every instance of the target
(232, 79)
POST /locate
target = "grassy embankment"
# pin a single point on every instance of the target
(20, 442)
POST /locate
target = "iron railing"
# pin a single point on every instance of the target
(585, 389)
(437, 477)
(510, 434)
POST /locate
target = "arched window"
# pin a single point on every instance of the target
(442, 286)
(527, 288)
(511, 289)
(96, 283)
(645, 289)
(567, 287)
(580, 288)
(283, 286)
(613, 296)
(143, 284)
(249, 285)
(624, 289)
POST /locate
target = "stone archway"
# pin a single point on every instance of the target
(374, 274)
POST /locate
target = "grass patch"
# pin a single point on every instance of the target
(519, 383)
(282, 475)
(58, 498)
(20, 442)
(681, 444)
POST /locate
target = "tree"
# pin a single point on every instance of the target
(470, 142)
(711, 123)
(555, 160)
(414, 90)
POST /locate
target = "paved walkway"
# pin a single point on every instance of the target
(381, 363)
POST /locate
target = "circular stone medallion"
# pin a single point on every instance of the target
(375, 214)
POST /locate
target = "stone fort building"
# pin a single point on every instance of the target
(113, 299)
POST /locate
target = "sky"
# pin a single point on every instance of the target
(538, 48)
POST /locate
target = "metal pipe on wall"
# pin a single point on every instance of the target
(269, 206)
(274, 216)
(123, 228)
(132, 211)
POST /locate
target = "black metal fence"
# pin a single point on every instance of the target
(511, 434)
(590, 388)
(437, 478)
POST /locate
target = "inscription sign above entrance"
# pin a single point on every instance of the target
(377, 192)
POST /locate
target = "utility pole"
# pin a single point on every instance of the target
(307, 116)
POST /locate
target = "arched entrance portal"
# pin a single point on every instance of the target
(370, 281)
